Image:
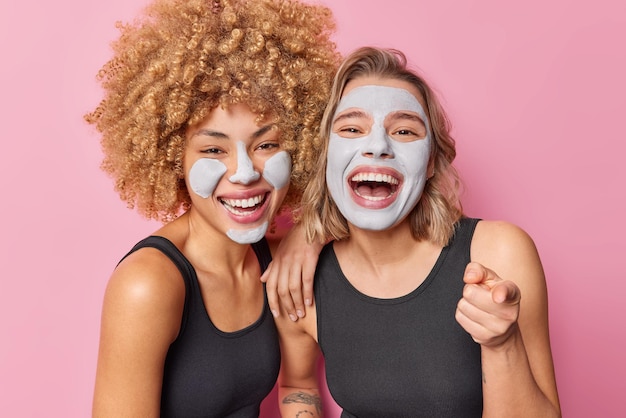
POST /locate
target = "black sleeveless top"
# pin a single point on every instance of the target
(400, 357)
(211, 373)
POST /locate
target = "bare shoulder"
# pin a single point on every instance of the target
(501, 240)
(501, 236)
(141, 316)
(146, 285)
(509, 251)
(146, 272)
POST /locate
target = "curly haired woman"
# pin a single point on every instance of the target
(206, 105)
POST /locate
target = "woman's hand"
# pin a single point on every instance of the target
(489, 308)
(289, 277)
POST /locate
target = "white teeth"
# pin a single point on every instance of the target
(233, 210)
(243, 203)
(371, 198)
(377, 177)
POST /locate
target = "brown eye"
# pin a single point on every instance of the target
(405, 132)
(212, 151)
(268, 146)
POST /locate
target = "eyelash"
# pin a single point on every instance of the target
(269, 145)
(263, 147)
(351, 131)
(405, 132)
(402, 132)
(212, 150)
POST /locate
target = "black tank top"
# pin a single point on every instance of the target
(210, 373)
(400, 357)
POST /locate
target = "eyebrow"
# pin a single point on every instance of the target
(401, 115)
(220, 135)
(351, 114)
(263, 130)
(209, 132)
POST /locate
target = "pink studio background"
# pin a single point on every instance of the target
(537, 96)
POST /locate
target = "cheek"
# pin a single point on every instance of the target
(340, 153)
(204, 176)
(277, 170)
(414, 156)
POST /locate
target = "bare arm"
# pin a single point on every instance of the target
(289, 278)
(298, 392)
(141, 316)
(507, 313)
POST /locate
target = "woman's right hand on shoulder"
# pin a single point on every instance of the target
(289, 277)
(141, 316)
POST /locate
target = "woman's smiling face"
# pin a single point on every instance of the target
(236, 173)
(378, 152)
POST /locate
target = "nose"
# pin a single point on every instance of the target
(245, 173)
(377, 144)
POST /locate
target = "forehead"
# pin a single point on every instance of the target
(381, 99)
(232, 121)
(384, 82)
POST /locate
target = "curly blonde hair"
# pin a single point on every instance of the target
(435, 216)
(181, 59)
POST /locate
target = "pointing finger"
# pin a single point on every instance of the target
(506, 292)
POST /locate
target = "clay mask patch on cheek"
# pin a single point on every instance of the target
(204, 176)
(277, 170)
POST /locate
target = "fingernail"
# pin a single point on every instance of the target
(471, 274)
(307, 302)
(293, 317)
(299, 313)
(274, 313)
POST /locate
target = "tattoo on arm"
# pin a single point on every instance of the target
(305, 398)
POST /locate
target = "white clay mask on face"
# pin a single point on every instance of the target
(277, 170)
(246, 173)
(206, 173)
(204, 176)
(277, 173)
(248, 236)
(374, 178)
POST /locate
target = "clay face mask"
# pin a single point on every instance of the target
(277, 170)
(204, 176)
(376, 170)
(206, 173)
(246, 173)
(277, 173)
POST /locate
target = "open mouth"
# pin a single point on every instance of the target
(374, 186)
(243, 207)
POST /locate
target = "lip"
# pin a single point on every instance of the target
(247, 206)
(387, 178)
